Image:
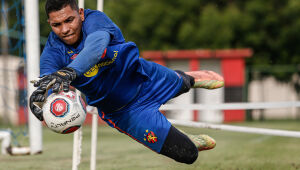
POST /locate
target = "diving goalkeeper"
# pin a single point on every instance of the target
(87, 50)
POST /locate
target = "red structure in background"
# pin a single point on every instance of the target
(22, 102)
(233, 70)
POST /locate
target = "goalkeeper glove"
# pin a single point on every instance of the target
(61, 78)
(38, 96)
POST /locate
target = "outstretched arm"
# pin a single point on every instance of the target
(90, 55)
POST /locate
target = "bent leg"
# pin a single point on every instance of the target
(150, 128)
(184, 147)
(179, 147)
(144, 124)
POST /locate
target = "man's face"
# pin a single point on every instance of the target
(66, 24)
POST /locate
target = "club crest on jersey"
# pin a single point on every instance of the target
(150, 136)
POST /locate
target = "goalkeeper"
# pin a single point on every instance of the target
(87, 50)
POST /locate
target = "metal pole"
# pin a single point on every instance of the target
(262, 131)
(4, 62)
(100, 5)
(81, 3)
(95, 118)
(77, 141)
(94, 141)
(32, 35)
(77, 137)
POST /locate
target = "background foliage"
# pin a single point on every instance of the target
(269, 27)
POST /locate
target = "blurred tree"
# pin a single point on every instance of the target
(270, 27)
(44, 26)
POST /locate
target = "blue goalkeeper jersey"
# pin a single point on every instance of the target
(56, 54)
(114, 80)
(127, 90)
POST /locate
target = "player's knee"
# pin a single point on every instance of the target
(179, 147)
(189, 155)
(193, 157)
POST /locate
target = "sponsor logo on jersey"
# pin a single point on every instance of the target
(94, 70)
(150, 136)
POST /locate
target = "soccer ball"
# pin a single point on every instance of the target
(64, 112)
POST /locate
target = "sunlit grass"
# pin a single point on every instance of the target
(117, 151)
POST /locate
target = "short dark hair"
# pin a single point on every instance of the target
(56, 5)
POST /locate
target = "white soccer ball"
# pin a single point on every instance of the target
(64, 112)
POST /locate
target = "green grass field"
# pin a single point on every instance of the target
(234, 151)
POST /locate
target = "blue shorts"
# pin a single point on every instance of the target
(141, 119)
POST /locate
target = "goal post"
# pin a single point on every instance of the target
(78, 134)
(95, 118)
(32, 46)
